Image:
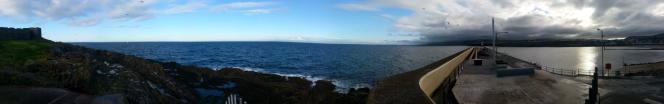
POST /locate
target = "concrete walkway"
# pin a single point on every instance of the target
(479, 85)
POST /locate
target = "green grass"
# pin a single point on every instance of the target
(18, 52)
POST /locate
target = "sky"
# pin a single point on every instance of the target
(331, 21)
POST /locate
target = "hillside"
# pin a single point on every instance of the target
(42, 71)
(653, 39)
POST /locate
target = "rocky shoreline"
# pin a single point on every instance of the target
(78, 74)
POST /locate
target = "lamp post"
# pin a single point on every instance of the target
(493, 32)
(601, 40)
(496, 39)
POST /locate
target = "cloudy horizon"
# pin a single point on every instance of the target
(345, 21)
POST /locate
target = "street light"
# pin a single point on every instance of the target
(601, 40)
(495, 48)
(495, 35)
(495, 38)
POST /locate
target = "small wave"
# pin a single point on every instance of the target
(344, 87)
(341, 86)
(259, 70)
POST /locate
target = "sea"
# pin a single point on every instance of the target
(585, 59)
(347, 65)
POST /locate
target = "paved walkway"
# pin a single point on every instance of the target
(479, 85)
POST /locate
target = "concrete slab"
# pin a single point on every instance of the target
(479, 85)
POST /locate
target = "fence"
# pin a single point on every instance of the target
(575, 71)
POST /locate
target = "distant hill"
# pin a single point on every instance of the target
(654, 39)
(657, 39)
(536, 43)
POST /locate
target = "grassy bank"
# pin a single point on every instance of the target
(18, 52)
(48, 69)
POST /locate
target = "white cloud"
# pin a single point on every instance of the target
(357, 7)
(131, 10)
(658, 10)
(76, 12)
(186, 8)
(85, 22)
(389, 17)
(258, 11)
(93, 12)
(240, 5)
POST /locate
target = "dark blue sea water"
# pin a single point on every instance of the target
(347, 65)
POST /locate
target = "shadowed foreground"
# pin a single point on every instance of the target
(42, 71)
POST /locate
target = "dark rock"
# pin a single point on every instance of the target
(109, 99)
(116, 78)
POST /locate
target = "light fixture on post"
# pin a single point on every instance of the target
(601, 40)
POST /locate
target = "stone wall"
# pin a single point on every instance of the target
(8, 33)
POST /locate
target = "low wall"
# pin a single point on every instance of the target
(404, 88)
(33, 33)
(434, 79)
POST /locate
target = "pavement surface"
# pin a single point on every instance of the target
(629, 90)
(479, 85)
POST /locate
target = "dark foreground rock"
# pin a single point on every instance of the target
(38, 71)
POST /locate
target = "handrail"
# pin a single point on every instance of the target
(434, 78)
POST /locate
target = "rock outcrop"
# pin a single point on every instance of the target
(66, 73)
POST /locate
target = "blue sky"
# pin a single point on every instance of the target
(300, 20)
(331, 21)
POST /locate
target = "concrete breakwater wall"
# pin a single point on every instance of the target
(32, 33)
(405, 88)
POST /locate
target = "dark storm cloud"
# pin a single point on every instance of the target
(464, 34)
(449, 20)
(618, 18)
(530, 27)
(524, 27)
(601, 6)
(634, 18)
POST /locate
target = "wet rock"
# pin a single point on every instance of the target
(109, 99)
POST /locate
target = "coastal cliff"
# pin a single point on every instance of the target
(35, 70)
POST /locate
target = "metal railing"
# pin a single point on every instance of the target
(436, 78)
(574, 71)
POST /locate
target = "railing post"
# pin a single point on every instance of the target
(577, 72)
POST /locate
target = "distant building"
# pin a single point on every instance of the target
(8, 33)
(655, 39)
